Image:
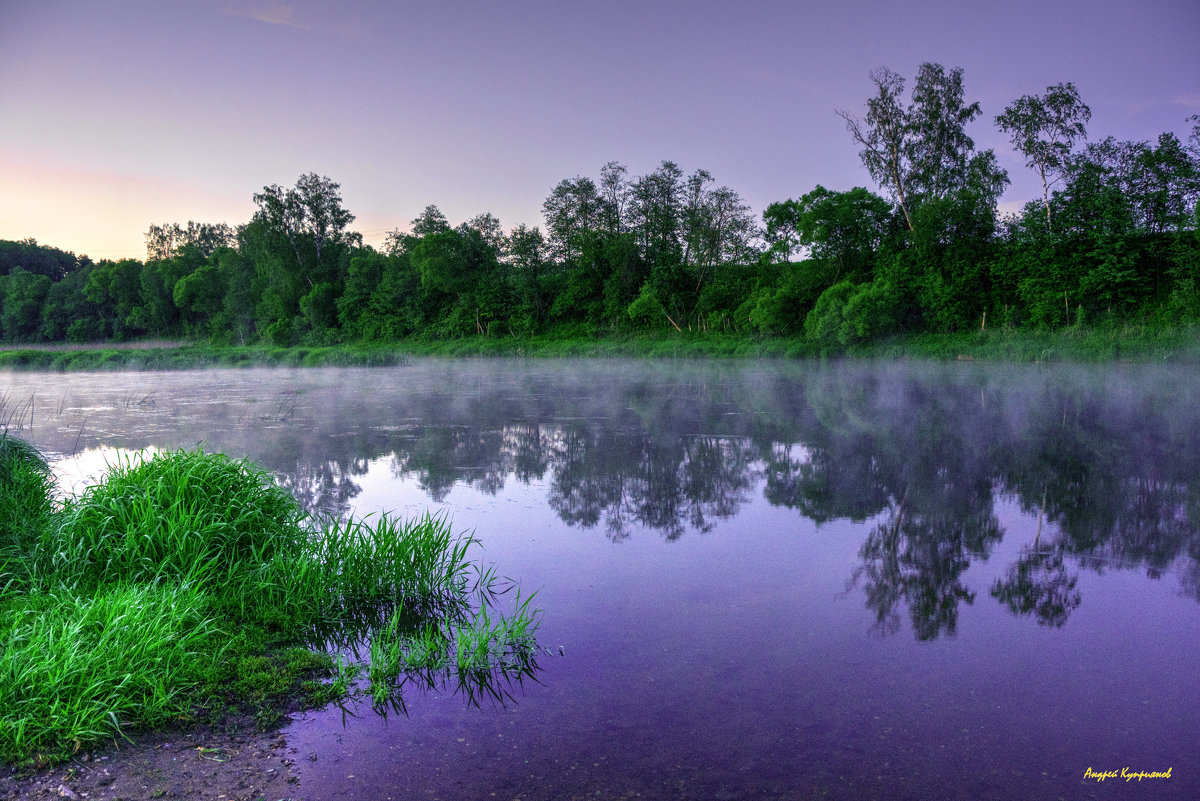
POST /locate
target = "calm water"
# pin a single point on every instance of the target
(758, 581)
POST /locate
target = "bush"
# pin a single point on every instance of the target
(824, 323)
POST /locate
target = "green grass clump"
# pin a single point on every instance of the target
(190, 586)
(74, 669)
(25, 509)
(480, 649)
(187, 517)
(397, 649)
(506, 643)
(366, 563)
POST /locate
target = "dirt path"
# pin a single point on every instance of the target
(247, 766)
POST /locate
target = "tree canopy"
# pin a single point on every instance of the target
(1112, 239)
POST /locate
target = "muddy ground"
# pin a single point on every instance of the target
(201, 764)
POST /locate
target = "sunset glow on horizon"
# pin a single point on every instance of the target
(123, 115)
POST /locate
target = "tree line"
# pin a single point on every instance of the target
(1113, 239)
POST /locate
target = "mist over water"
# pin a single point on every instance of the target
(758, 580)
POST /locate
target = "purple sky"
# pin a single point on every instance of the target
(117, 115)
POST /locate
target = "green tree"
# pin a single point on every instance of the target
(918, 152)
(1098, 250)
(312, 211)
(844, 229)
(939, 148)
(717, 230)
(200, 298)
(781, 230)
(1045, 128)
(572, 213)
(300, 244)
(156, 310)
(657, 205)
(1163, 185)
(162, 241)
(66, 314)
(116, 288)
(884, 136)
(461, 267)
(38, 259)
(366, 271)
(400, 306)
(525, 254)
(24, 296)
(431, 221)
(237, 319)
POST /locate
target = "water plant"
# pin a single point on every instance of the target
(187, 586)
(481, 653)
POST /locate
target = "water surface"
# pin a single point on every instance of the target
(758, 580)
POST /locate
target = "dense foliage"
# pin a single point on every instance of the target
(1111, 240)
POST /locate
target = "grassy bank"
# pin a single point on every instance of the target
(191, 588)
(1075, 344)
(1137, 344)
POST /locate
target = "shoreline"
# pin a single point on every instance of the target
(237, 764)
(1084, 345)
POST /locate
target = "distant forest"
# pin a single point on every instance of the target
(1113, 239)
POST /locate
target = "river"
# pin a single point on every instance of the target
(757, 580)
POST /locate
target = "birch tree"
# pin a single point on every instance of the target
(1044, 128)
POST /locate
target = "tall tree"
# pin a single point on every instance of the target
(489, 229)
(920, 152)
(658, 200)
(1164, 184)
(305, 226)
(1044, 128)
(940, 148)
(572, 213)
(614, 198)
(311, 211)
(526, 257)
(884, 136)
(782, 234)
(162, 241)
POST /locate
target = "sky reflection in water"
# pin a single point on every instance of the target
(890, 581)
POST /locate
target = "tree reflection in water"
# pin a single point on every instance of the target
(1106, 461)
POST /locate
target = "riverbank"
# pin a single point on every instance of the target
(1135, 344)
(204, 764)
